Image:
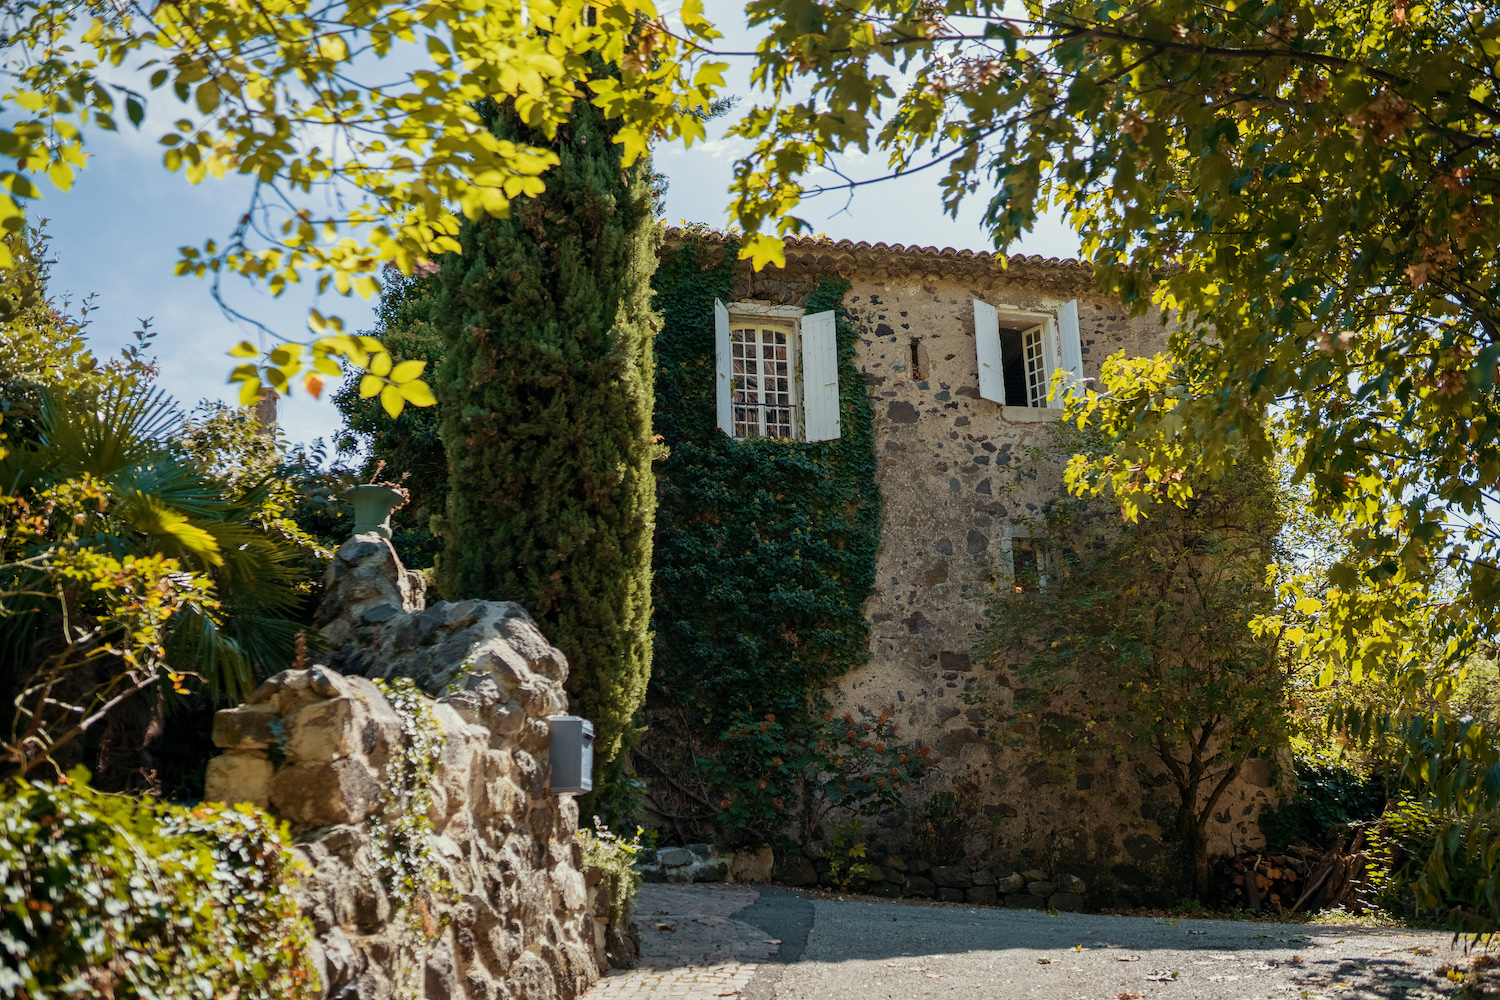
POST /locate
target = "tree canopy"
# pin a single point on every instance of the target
(376, 103)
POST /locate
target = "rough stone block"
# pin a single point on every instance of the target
(239, 777)
(325, 794)
(894, 862)
(751, 866)
(953, 877)
(703, 851)
(887, 890)
(983, 895)
(1042, 889)
(1024, 901)
(1071, 883)
(796, 870)
(716, 870)
(246, 728)
(1067, 902)
(324, 731)
(1014, 882)
(920, 887)
(950, 895)
(674, 857)
(1035, 875)
(983, 876)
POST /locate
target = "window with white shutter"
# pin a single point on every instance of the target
(1018, 352)
(777, 372)
(762, 365)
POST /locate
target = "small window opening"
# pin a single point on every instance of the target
(1026, 565)
(1023, 365)
(916, 362)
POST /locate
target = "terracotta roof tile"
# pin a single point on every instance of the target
(845, 256)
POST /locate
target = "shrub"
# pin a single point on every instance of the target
(116, 896)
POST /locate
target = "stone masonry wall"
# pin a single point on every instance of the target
(960, 477)
(520, 918)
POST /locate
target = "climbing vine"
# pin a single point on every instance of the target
(765, 555)
(401, 834)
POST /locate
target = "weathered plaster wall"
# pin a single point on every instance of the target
(960, 476)
(519, 918)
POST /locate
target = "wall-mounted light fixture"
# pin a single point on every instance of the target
(571, 754)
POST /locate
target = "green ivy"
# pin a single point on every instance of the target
(402, 832)
(765, 555)
(112, 895)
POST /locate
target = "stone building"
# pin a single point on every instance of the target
(957, 349)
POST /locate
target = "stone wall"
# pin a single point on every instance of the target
(960, 478)
(498, 903)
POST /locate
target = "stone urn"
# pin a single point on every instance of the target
(372, 508)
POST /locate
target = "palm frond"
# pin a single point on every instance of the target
(108, 434)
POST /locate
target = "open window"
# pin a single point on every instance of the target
(777, 372)
(1019, 351)
(1028, 564)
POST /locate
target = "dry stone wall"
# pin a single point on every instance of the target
(489, 897)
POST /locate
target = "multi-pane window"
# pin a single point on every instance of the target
(763, 373)
(1036, 367)
(1023, 355)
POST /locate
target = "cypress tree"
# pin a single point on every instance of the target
(546, 396)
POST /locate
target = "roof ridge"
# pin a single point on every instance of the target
(844, 244)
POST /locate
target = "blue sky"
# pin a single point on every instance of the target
(116, 234)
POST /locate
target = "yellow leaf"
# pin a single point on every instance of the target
(1309, 606)
(369, 386)
(391, 399)
(406, 371)
(380, 364)
(1295, 634)
(249, 391)
(417, 393)
(61, 175)
(761, 250)
(244, 349)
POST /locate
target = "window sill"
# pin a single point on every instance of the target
(1031, 414)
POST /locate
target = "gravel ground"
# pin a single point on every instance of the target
(862, 950)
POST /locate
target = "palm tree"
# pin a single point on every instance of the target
(122, 442)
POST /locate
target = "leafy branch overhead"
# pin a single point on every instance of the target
(279, 92)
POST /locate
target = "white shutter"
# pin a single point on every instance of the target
(820, 377)
(1070, 346)
(724, 365)
(987, 343)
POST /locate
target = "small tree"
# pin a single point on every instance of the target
(1137, 637)
(545, 392)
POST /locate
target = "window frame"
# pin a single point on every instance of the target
(1054, 354)
(1008, 560)
(781, 318)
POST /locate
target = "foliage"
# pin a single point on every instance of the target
(546, 383)
(846, 855)
(1459, 885)
(109, 895)
(615, 856)
(765, 555)
(945, 821)
(1332, 793)
(402, 832)
(281, 95)
(1140, 642)
(411, 444)
(131, 542)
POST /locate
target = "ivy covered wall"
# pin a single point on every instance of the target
(765, 555)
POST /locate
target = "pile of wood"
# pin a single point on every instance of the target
(1303, 878)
